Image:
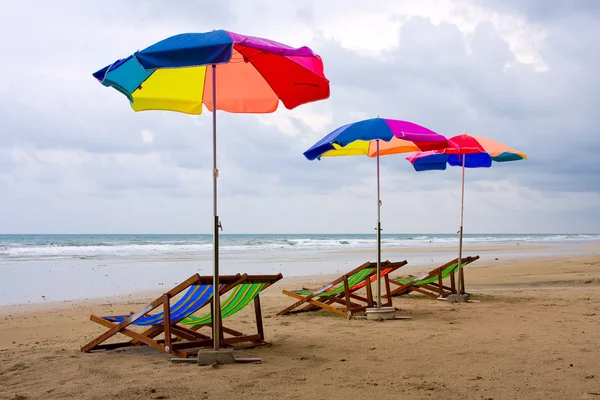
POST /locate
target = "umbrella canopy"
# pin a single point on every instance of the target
(480, 152)
(359, 138)
(254, 75)
(465, 151)
(372, 138)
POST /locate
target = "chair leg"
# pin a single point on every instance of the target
(258, 316)
(221, 333)
(369, 292)
(388, 290)
(347, 296)
(167, 322)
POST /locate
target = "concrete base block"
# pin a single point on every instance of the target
(458, 298)
(381, 313)
(212, 357)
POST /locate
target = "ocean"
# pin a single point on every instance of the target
(53, 268)
(144, 246)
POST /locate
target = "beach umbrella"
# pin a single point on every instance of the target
(465, 151)
(224, 71)
(372, 138)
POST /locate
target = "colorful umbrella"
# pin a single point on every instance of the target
(254, 75)
(375, 137)
(468, 152)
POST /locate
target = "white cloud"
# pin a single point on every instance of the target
(147, 136)
(372, 30)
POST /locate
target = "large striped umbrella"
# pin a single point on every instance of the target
(254, 75)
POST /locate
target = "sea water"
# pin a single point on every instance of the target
(81, 247)
(38, 268)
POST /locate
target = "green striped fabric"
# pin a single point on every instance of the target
(239, 298)
(353, 280)
(445, 273)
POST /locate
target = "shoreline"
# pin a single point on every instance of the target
(108, 279)
(506, 263)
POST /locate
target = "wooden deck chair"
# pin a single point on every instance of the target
(239, 297)
(199, 293)
(432, 283)
(387, 269)
(342, 291)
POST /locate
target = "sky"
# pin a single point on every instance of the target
(74, 157)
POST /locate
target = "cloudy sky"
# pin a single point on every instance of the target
(74, 158)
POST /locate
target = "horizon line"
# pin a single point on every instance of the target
(304, 233)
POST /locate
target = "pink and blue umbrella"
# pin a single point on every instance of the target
(465, 151)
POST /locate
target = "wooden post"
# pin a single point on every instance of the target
(258, 316)
(347, 295)
(220, 326)
(440, 283)
(388, 289)
(167, 321)
(369, 291)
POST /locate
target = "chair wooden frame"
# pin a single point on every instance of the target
(435, 290)
(234, 336)
(178, 339)
(351, 302)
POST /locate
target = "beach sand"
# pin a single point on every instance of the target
(535, 335)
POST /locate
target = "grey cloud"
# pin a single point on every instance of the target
(545, 10)
(55, 104)
(262, 149)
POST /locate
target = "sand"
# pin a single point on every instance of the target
(535, 335)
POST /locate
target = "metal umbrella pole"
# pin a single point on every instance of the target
(461, 283)
(216, 331)
(378, 233)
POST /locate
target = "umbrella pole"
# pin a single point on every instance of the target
(378, 233)
(461, 282)
(216, 331)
